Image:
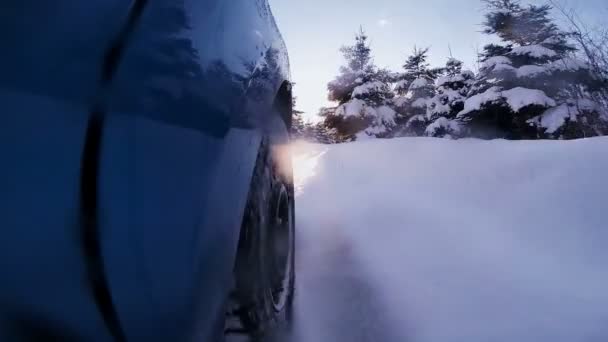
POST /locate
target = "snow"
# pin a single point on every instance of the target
(449, 79)
(461, 240)
(441, 102)
(475, 102)
(537, 51)
(552, 40)
(355, 107)
(363, 135)
(386, 114)
(498, 63)
(503, 67)
(416, 119)
(568, 64)
(494, 61)
(451, 95)
(368, 87)
(520, 97)
(401, 85)
(442, 123)
(468, 74)
(517, 98)
(437, 107)
(420, 103)
(383, 117)
(372, 131)
(554, 118)
(419, 83)
(530, 71)
(443, 80)
(400, 101)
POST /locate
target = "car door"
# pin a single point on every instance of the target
(49, 71)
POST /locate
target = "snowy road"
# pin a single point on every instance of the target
(428, 240)
(335, 301)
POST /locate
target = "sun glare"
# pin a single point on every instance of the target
(305, 159)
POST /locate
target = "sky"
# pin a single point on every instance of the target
(314, 31)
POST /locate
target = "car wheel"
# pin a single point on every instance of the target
(264, 269)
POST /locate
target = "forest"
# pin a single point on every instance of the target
(541, 81)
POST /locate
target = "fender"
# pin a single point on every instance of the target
(172, 203)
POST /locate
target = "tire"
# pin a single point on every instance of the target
(264, 269)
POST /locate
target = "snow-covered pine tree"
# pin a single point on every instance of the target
(530, 86)
(363, 94)
(323, 132)
(451, 91)
(414, 88)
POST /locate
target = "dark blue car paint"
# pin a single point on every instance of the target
(41, 264)
(192, 98)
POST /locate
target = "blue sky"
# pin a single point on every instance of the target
(314, 30)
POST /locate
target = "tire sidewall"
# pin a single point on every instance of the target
(253, 273)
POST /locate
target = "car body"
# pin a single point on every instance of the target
(199, 85)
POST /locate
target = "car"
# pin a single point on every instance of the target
(147, 191)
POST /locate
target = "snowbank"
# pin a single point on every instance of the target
(470, 240)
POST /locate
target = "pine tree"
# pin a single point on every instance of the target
(363, 94)
(298, 125)
(414, 88)
(359, 66)
(324, 131)
(529, 86)
(451, 90)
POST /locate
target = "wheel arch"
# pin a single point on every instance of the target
(283, 103)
